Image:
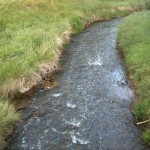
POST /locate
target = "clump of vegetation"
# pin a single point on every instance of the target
(8, 117)
(146, 136)
(147, 4)
(143, 110)
(134, 37)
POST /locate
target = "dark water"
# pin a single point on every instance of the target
(90, 110)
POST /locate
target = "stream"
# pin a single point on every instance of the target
(91, 107)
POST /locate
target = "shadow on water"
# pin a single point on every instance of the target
(90, 109)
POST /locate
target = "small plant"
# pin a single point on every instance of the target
(8, 117)
(141, 110)
(77, 24)
(146, 136)
(2, 26)
(147, 3)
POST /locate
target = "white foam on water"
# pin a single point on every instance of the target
(74, 123)
(56, 95)
(71, 105)
(83, 141)
(97, 62)
(24, 144)
(32, 147)
(39, 144)
(76, 140)
(55, 130)
(25, 127)
(45, 131)
(38, 120)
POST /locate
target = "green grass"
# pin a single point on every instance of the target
(146, 136)
(28, 32)
(28, 29)
(8, 117)
(134, 41)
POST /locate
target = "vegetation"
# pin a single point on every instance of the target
(8, 117)
(134, 41)
(32, 34)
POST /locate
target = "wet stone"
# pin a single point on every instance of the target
(90, 109)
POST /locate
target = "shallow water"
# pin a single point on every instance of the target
(90, 110)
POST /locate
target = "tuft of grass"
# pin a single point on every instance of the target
(8, 117)
(134, 41)
(142, 110)
(77, 24)
(147, 4)
(146, 136)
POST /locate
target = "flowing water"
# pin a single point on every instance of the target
(90, 110)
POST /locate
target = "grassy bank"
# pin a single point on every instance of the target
(32, 35)
(33, 31)
(134, 41)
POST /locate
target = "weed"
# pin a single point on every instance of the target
(8, 117)
(146, 136)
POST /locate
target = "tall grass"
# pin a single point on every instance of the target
(8, 117)
(134, 40)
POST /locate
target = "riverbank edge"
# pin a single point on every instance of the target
(143, 122)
